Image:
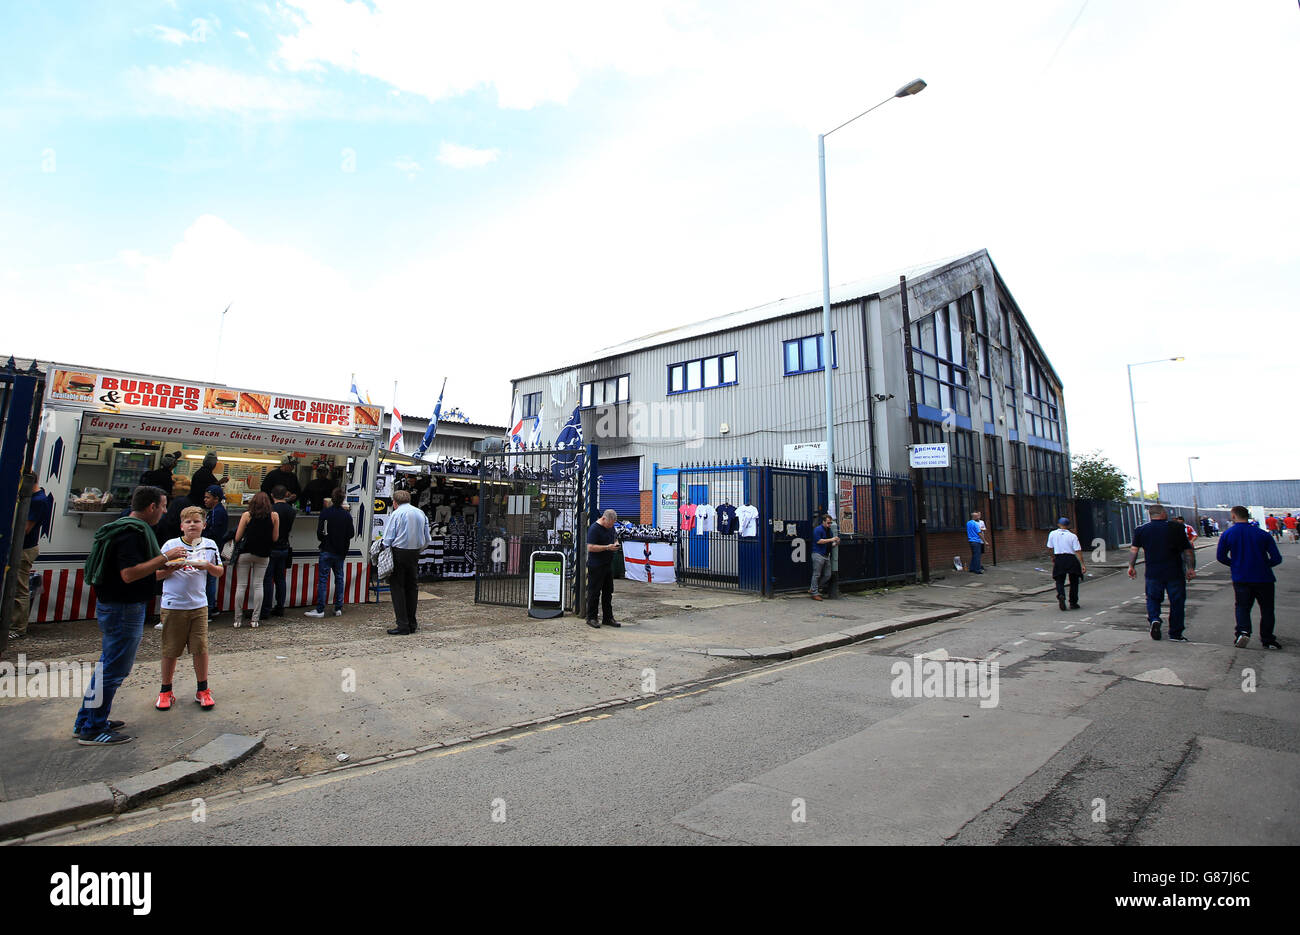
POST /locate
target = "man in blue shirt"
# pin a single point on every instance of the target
(823, 539)
(1167, 554)
(975, 538)
(407, 534)
(1251, 553)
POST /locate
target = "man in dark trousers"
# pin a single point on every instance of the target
(274, 582)
(121, 568)
(1067, 561)
(601, 542)
(1251, 553)
(335, 532)
(1170, 562)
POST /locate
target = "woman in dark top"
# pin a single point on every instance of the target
(258, 529)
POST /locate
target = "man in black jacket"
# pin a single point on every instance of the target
(286, 475)
(335, 531)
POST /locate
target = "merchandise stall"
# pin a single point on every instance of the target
(102, 431)
(447, 491)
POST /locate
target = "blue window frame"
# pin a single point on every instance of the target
(605, 392)
(704, 373)
(532, 403)
(804, 355)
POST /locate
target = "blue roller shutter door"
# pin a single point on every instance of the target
(620, 487)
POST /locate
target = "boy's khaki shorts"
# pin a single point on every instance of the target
(184, 628)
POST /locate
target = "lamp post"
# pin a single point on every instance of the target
(1133, 406)
(828, 349)
(1196, 517)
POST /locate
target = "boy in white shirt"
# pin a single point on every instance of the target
(185, 607)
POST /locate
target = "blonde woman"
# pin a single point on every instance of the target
(258, 529)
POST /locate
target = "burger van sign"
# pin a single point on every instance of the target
(120, 393)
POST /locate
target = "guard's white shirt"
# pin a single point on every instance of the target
(1063, 542)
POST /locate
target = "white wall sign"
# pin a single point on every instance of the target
(806, 452)
(928, 456)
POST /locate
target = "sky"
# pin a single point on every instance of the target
(410, 191)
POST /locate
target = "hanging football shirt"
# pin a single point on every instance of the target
(688, 517)
(704, 515)
(748, 516)
(727, 519)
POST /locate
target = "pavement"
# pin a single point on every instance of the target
(325, 696)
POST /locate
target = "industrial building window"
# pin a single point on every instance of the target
(703, 374)
(1020, 468)
(993, 464)
(605, 392)
(1042, 415)
(951, 493)
(983, 334)
(939, 361)
(532, 403)
(1050, 485)
(804, 355)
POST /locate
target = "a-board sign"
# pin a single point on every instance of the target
(546, 577)
(928, 456)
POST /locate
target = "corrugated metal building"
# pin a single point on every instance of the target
(453, 439)
(1270, 494)
(750, 385)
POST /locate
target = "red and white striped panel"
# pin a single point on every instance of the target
(66, 596)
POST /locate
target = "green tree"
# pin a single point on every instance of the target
(1096, 478)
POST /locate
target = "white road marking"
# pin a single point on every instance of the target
(1017, 642)
(1085, 619)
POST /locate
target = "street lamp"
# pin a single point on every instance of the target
(1133, 406)
(1196, 518)
(828, 349)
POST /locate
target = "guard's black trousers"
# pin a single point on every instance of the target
(600, 589)
(1064, 566)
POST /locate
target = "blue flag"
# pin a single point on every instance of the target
(567, 462)
(357, 395)
(432, 430)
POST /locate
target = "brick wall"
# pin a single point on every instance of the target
(1012, 544)
(647, 506)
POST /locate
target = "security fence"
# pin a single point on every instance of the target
(749, 527)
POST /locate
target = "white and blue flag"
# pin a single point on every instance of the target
(432, 430)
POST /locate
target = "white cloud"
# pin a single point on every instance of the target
(241, 34)
(168, 34)
(529, 52)
(196, 87)
(407, 165)
(465, 157)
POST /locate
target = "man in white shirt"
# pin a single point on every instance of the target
(1067, 560)
(407, 534)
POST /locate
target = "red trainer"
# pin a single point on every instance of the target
(164, 701)
(204, 698)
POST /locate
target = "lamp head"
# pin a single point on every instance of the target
(916, 87)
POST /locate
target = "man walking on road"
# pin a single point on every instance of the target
(975, 537)
(1167, 550)
(601, 541)
(1251, 553)
(1067, 559)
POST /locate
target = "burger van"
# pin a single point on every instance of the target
(102, 430)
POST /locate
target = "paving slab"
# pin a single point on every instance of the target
(1227, 794)
(1275, 705)
(39, 812)
(914, 778)
(226, 750)
(157, 781)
